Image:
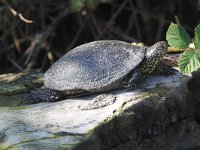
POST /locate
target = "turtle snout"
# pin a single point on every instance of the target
(160, 49)
(157, 51)
(163, 45)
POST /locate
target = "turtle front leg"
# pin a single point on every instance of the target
(132, 79)
(164, 69)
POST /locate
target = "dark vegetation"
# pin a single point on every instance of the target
(33, 34)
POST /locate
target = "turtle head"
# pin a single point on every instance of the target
(154, 55)
(157, 51)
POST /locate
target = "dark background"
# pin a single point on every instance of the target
(57, 28)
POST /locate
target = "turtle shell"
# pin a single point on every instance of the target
(93, 65)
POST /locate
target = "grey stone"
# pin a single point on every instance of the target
(158, 115)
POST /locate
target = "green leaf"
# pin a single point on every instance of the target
(189, 61)
(197, 37)
(77, 5)
(177, 36)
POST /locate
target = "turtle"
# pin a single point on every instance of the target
(100, 66)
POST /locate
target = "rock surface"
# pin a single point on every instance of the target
(158, 115)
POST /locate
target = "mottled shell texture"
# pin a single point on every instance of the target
(94, 65)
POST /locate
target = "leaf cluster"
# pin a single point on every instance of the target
(178, 37)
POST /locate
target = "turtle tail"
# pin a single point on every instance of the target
(45, 95)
